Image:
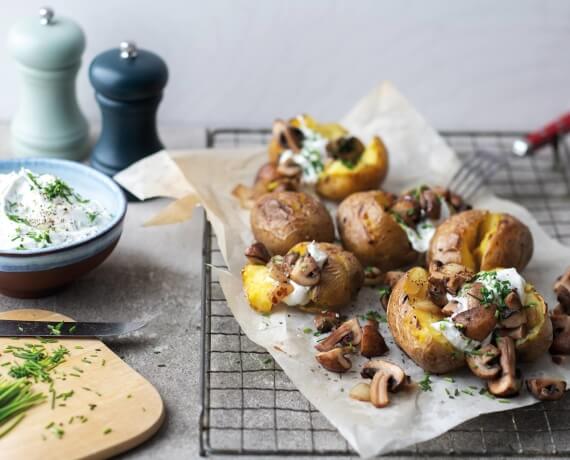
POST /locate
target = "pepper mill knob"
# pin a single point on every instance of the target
(128, 50)
(46, 15)
(128, 84)
(48, 122)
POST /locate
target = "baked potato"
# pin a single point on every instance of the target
(371, 233)
(280, 220)
(482, 240)
(441, 338)
(327, 157)
(312, 276)
(390, 232)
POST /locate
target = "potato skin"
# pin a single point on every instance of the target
(341, 278)
(431, 350)
(482, 240)
(413, 333)
(280, 220)
(337, 181)
(371, 233)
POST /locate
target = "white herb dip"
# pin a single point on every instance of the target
(420, 236)
(312, 156)
(41, 211)
(300, 294)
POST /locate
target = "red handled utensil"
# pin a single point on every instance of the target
(548, 134)
(481, 166)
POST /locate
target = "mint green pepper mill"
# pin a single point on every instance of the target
(48, 122)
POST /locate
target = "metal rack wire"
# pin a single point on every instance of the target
(249, 406)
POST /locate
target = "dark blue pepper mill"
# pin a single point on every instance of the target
(128, 86)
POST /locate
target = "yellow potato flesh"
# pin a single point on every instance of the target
(486, 230)
(476, 240)
(416, 287)
(258, 286)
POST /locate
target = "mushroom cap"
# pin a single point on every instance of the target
(396, 374)
(482, 365)
(561, 331)
(562, 290)
(334, 360)
(352, 326)
(546, 389)
(477, 322)
(372, 343)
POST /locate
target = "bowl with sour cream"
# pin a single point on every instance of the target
(58, 221)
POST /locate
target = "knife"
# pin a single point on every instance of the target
(17, 328)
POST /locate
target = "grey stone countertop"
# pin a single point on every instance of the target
(154, 271)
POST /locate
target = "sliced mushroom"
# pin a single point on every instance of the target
(257, 254)
(559, 359)
(450, 308)
(349, 331)
(474, 296)
(515, 333)
(546, 389)
(561, 334)
(345, 148)
(386, 377)
(454, 275)
(437, 290)
(513, 301)
(306, 271)
(407, 208)
(278, 269)
(291, 258)
(334, 360)
(507, 384)
(289, 136)
(430, 203)
(326, 321)
(484, 363)
(562, 290)
(477, 323)
(372, 343)
(512, 318)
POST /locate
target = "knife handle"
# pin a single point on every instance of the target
(545, 135)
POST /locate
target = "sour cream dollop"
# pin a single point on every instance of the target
(496, 283)
(312, 156)
(41, 210)
(420, 236)
(300, 294)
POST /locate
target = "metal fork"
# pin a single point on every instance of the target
(475, 172)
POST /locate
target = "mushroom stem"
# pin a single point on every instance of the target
(507, 384)
(379, 389)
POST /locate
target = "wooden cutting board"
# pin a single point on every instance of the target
(112, 409)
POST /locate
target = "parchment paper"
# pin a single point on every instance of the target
(417, 155)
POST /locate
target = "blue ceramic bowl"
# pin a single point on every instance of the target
(39, 272)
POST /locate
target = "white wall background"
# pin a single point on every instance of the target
(465, 64)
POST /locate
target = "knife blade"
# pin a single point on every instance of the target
(17, 328)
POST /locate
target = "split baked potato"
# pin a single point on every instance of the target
(415, 312)
(390, 232)
(280, 220)
(311, 276)
(482, 240)
(327, 157)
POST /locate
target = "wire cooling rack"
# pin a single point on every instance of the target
(249, 406)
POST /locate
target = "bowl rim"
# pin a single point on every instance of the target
(117, 219)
